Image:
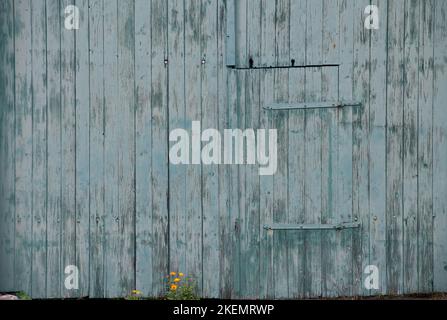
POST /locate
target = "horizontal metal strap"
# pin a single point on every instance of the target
(325, 65)
(339, 226)
(310, 106)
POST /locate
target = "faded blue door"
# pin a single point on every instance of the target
(302, 216)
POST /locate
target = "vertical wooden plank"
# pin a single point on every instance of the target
(280, 190)
(239, 181)
(313, 181)
(96, 143)
(296, 149)
(282, 33)
(210, 173)
(331, 38)
(250, 226)
(126, 154)
(297, 32)
(176, 93)
(343, 175)
(330, 146)
(410, 151)
(193, 205)
(159, 144)
(254, 36)
(112, 118)
(225, 228)
(68, 142)
(440, 148)
(228, 8)
(7, 144)
(82, 148)
(394, 217)
(233, 250)
(314, 54)
(329, 185)
(267, 284)
(24, 147)
(280, 122)
(296, 185)
(54, 153)
(39, 138)
(266, 196)
(242, 17)
(377, 150)
(360, 162)
(314, 34)
(425, 149)
(143, 164)
(268, 30)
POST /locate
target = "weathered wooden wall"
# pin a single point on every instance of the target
(85, 116)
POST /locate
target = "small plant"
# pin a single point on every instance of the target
(180, 287)
(135, 295)
(23, 296)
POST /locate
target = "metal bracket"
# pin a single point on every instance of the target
(312, 105)
(289, 227)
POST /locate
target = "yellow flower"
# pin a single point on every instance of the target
(137, 292)
(173, 273)
(173, 287)
(181, 274)
(177, 280)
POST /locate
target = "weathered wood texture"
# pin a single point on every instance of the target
(84, 139)
(440, 147)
